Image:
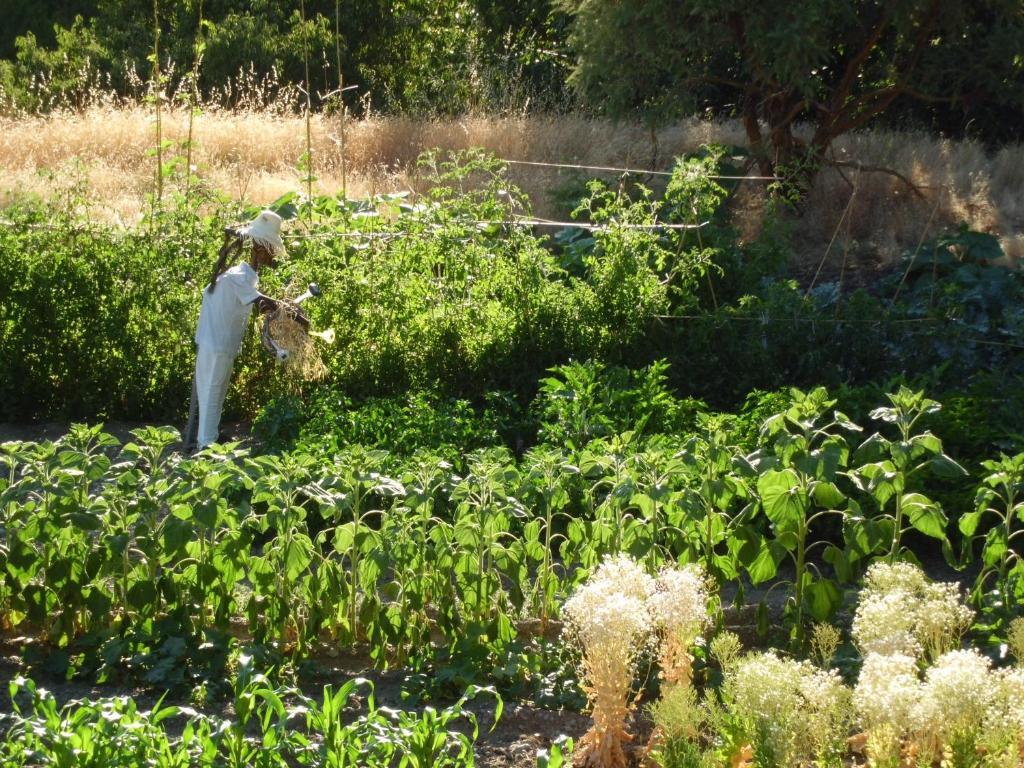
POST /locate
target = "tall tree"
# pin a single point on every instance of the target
(833, 64)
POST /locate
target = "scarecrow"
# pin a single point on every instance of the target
(227, 304)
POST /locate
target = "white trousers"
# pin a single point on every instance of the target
(213, 372)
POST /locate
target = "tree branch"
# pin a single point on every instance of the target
(853, 114)
(837, 164)
(853, 68)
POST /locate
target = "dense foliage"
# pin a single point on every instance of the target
(950, 66)
(449, 294)
(292, 729)
(834, 66)
(127, 559)
(414, 56)
(504, 411)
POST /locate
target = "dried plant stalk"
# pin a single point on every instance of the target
(676, 659)
(608, 618)
(607, 683)
(289, 334)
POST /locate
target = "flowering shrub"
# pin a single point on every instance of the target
(679, 609)
(791, 712)
(614, 617)
(609, 619)
(962, 712)
(901, 613)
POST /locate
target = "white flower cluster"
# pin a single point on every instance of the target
(610, 610)
(1005, 714)
(942, 617)
(765, 686)
(957, 693)
(888, 577)
(901, 613)
(614, 616)
(792, 710)
(961, 701)
(887, 691)
(884, 625)
(679, 604)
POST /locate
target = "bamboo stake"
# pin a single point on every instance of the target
(309, 106)
(341, 94)
(157, 92)
(192, 107)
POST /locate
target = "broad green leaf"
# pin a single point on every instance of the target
(824, 597)
(827, 495)
(968, 522)
(996, 545)
(925, 515)
(880, 480)
(783, 497)
(926, 443)
(840, 561)
(344, 537)
(85, 521)
(141, 594)
(765, 563)
(943, 466)
(176, 533)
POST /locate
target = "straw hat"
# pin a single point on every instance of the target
(265, 229)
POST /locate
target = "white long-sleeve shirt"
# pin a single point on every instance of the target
(225, 313)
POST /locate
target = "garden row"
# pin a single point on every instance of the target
(141, 555)
(449, 291)
(271, 726)
(917, 696)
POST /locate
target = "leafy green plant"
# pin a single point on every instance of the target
(486, 512)
(890, 469)
(558, 755)
(797, 484)
(717, 505)
(355, 485)
(427, 740)
(998, 501)
(281, 572)
(584, 401)
(89, 734)
(545, 491)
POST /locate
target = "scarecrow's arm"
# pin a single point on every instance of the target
(266, 305)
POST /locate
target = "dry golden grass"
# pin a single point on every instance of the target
(253, 155)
